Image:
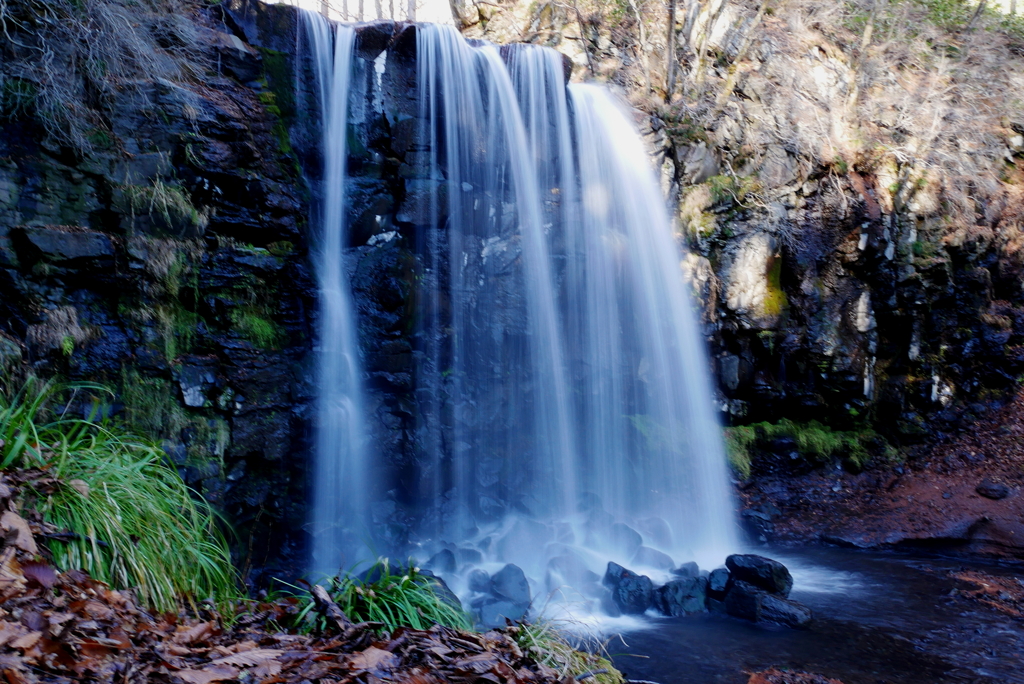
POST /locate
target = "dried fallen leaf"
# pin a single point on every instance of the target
(9, 631)
(194, 634)
(477, 663)
(28, 641)
(11, 521)
(40, 573)
(79, 486)
(372, 658)
(213, 673)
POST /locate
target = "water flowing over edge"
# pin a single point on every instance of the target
(339, 492)
(605, 443)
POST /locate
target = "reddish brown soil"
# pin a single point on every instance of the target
(932, 500)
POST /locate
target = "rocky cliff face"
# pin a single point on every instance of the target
(167, 257)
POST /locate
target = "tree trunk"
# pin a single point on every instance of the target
(730, 81)
(977, 13)
(670, 53)
(705, 39)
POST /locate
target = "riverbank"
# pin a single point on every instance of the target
(880, 618)
(962, 494)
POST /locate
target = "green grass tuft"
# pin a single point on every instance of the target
(135, 524)
(404, 598)
(548, 645)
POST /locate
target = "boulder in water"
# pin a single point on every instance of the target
(510, 584)
(718, 583)
(494, 613)
(569, 568)
(748, 602)
(653, 558)
(764, 573)
(631, 592)
(443, 562)
(687, 570)
(625, 539)
(682, 596)
(479, 581)
(656, 531)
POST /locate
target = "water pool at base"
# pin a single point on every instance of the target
(879, 619)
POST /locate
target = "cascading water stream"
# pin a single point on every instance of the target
(488, 259)
(340, 492)
(562, 401)
(652, 441)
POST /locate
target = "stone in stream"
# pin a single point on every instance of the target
(690, 569)
(764, 573)
(479, 581)
(652, 558)
(510, 583)
(625, 539)
(748, 602)
(631, 592)
(494, 612)
(992, 490)
(570, 569)
(682, 596)
(718, 582)
(443, 562)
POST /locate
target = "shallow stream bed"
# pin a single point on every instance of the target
(879, 619)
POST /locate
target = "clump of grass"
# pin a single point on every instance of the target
(131, 521)
(166, 201)
(543, 641)
(399, 597)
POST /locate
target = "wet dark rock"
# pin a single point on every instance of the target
(687, 570)
(718, 583)
(624, 538)
(765, 573)
(682, 596)
(496, 612)
(992, 490)
(630, 592)
(652, 558)
(443, 562)
(655, 531)
(748, 602)
(510, 583)
(570, 569)
(63, 244)
(466, 556)
(479, 581)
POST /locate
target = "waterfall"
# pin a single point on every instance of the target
(571, 409)
(488, 263)
(562, 404)
(653, 444)
(339, 487)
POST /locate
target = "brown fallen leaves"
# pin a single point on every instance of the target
(775, 676)
(1003, 593)
(67, 627)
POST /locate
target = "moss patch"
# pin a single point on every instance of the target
(775, 301)
(815, 442)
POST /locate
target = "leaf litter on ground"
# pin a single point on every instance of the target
(68, 627)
